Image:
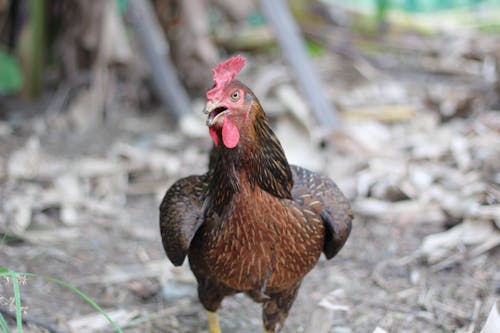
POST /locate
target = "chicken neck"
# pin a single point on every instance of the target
(258, 158)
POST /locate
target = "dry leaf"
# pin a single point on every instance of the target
(371, 136)
(492, 324)
(25, 162)
(17, 212)
(379, 330)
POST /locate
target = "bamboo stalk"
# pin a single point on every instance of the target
(292, 43)
(156, 52)
(33, 49)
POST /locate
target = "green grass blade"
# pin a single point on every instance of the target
(3, 325)
(17, 296)
(17, 299)
(81, 294)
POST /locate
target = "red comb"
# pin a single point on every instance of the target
(223, 74)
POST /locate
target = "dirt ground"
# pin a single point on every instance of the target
(81, 205)
(375, 281)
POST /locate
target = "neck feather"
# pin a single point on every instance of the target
(259, 158)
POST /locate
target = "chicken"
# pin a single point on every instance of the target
(252, 223)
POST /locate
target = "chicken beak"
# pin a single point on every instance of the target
(210, 106)
(215, 110)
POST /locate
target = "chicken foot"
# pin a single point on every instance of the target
(213, 322)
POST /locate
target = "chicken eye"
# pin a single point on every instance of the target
(235, 95)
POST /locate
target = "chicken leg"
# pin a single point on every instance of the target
(275, 309)
(213, 322)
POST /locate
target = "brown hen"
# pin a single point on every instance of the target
(253, 223)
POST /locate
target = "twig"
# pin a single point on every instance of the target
(172, 310)
(377, 275)
(430, 318)
(455, 312)
(475, 314)
(27, 320)
(383, 304)
(450, 261)
(462, 256)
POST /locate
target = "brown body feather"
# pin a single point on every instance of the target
(253, 223)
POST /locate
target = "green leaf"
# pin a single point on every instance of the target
(81, 294)
(10, 74)
(122, 6)
(17, 299)
(314, 49)
(3, 325)
(4, 270)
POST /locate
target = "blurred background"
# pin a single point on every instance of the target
(397, 100)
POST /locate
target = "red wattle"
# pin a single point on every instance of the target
(214, 136)
(230, 133)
